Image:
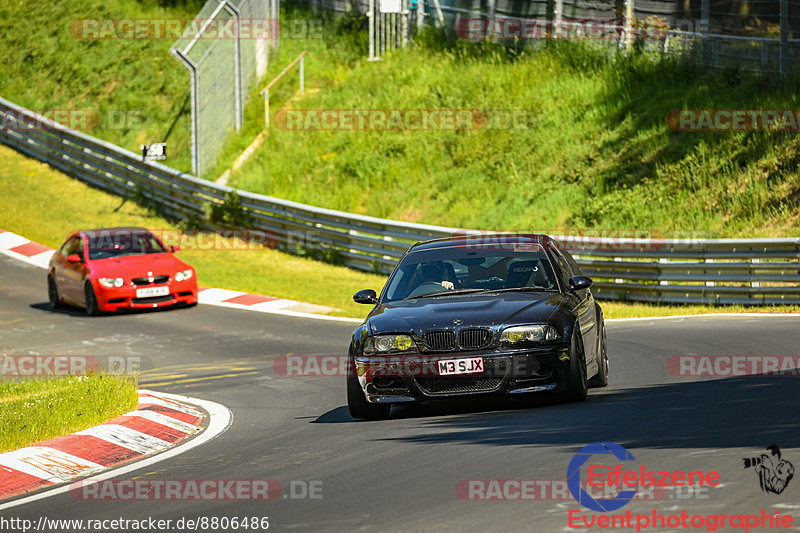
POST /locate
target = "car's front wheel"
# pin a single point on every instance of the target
(576, 385)
(358, 405)
(90, 300)
(52, 293)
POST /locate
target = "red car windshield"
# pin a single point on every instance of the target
(105, 244)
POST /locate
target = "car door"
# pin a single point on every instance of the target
(71, 286)
(584, 306)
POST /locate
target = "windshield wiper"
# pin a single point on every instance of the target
(522, 289)
(447, 292)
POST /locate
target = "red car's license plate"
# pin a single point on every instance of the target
(450, 367)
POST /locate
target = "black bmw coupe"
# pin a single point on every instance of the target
(494, 314)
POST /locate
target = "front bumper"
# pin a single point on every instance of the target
(125, 297)
(410, 378)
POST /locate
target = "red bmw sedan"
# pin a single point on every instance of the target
(108, 269)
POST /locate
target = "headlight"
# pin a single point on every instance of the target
(111, 282)
(386, 344)
(186, 274)
(539, 333)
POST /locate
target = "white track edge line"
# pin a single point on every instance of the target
(220, 419)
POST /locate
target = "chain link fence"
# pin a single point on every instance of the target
(756, 35)
(226, 51)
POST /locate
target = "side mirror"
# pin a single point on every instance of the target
(175, 248)
(367, 296)
(74, 258)
(579, 283)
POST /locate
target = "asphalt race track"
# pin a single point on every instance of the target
(401, 474)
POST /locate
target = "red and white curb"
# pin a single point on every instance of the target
(37, 254)
(160, 422)
(157, 424)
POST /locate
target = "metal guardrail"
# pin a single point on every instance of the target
(721, 271)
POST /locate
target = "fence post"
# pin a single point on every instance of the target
(784, 36)
(558, 9)
(629, 10)
(371, 15)
(302, 75)
(705, 14)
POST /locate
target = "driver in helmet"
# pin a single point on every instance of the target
(435, 272)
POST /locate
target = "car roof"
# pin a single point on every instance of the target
(114, 230)
(468, 239)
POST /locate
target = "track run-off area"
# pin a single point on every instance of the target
(431, 467)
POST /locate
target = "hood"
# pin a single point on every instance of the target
(423, 314)
(134, 266)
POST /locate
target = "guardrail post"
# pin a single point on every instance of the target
(754, 283)
(710, 283)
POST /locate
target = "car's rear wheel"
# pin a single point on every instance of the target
(576, 385)
(52, 293)
(90, 300)
(601, 378)
(358, 405)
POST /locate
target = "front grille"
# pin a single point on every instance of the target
(152, 299)
(146, 281)
(440, 340)
(455, 384)
(473, 339)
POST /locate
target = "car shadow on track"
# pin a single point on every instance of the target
(714, 413)
(70, 310)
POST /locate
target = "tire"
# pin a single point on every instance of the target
(359, 406)
(601, 378)
(90, 301)
(52, 293)
(576, 386)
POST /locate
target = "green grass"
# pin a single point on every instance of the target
(598, 152)
(45, 67)
(33, 410)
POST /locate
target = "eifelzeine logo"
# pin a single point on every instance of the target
(629, 480)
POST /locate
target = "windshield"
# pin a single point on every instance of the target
(466, 270)
(105, 244)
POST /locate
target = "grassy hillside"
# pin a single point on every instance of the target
(598, 152)
(46, 66)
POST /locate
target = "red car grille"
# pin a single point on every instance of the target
(146, 281)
